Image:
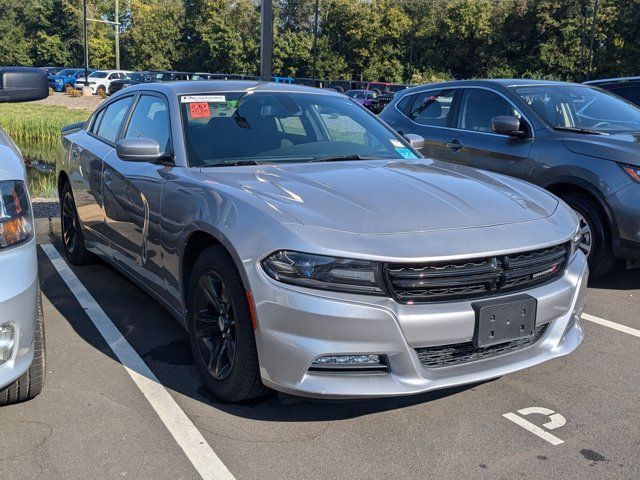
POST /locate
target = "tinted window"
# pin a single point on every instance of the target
(150, 119)
(281, 127)
(432, 108)
(404, 105)
(479, 107)
(98, 74)
(112, 119)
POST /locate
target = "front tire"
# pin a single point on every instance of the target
(72, 239)
(596, 238)
(220, 328)
(30, 384)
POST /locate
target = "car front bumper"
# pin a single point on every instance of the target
(296, 326)
(19, 305)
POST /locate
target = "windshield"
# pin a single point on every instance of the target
(66, 73)
(581, 107)
(356, 94)
(280, 127)
(98, 75)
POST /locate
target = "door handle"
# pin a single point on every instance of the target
(108, 177)
(454, 145)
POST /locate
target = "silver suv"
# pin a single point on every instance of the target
(307, 247)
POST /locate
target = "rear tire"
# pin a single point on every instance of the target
(600, 255)
(72, 238)
(220, 328)
(30, 384)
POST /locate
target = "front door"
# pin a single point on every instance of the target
(132, 193)
(473, 142)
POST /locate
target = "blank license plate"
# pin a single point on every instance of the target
(504, 320)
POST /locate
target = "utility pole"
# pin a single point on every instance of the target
(266, 40)
(117, 37)
(85, 39)
(593, 31)
(315, 41)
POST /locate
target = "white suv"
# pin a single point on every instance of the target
(100, 80)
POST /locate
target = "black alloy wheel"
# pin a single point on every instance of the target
(69, 222)
(72, 237)
(221, 329)
(214, 325)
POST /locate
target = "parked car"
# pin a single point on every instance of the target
(22, 347)
(288, 80)
(366, 98)
(100, 80)
(341, 86)
(51, 70)
(65, 79)
(578, 142)
(377, 87)
(627, 87)
(133, 78)
(306, 247)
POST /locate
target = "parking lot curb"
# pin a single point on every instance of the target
(45, 228)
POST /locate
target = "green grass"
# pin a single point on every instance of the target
(30, 124)
(36, 130)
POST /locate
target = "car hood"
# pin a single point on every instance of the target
(389, 197)
(621, 147)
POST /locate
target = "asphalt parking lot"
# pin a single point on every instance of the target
(573, 417)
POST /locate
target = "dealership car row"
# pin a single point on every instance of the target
(309, 247)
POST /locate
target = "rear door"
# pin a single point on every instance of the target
(132, 192)
(471, 140)
(88, 152)
(428, 114)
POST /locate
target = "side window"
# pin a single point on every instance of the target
(432, 108)
(150, 119)
(479, 106)
(112, 119)
(404, 105)
(96, 121)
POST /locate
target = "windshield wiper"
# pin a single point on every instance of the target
(579, 130)
(341, 158)
(234, 163)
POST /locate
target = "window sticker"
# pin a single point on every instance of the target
(202, 98)
(405, 152)
(199, 110)
(396, 143)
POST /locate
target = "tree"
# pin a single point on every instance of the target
(153, 37)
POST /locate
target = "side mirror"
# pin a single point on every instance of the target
(139, 150)
(416, 141)
(508, 125)
(22, 84)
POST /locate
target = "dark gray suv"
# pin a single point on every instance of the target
(577, 141)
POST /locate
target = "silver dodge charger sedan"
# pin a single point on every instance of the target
(307, 247)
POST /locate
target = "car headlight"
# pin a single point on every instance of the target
(576, 238)
(326, 273)
(16, 222)
(632, 171)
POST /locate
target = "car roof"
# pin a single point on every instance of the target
(209, 86)
(500, 82)
(612, 80)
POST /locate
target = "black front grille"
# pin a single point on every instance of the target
(448, 355)
(464, 279)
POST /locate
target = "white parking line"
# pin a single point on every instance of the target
(536, 430)
(201, 455)
(615, 326)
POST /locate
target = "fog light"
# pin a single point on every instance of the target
(350, 363)
(7, 337)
